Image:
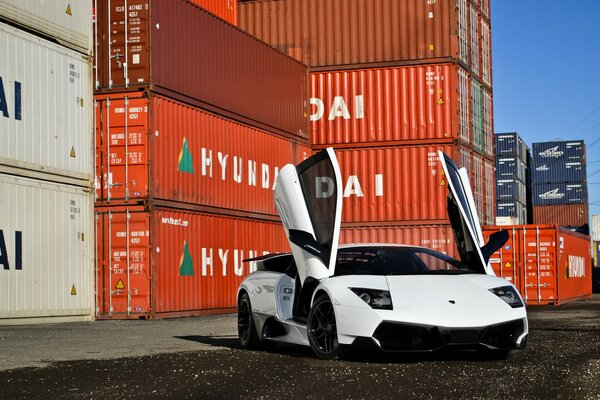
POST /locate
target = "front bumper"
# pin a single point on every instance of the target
(402, 337)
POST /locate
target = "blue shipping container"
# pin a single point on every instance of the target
(511, 168)
(555, 172)
(564, 152)
(510, 145)
(513, 209)
(511, 190)
(546, 194)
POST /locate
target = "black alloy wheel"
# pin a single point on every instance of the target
(322, 329)
(246, 329)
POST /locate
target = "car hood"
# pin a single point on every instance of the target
(462, 300)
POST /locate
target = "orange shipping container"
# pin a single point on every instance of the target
(182, 51)
(548, 264)
(400, 105)
(225, 9)
(181, 153)
(562, 215)
(404, 183)
(168, 262)
(437, 237)
(342, 33)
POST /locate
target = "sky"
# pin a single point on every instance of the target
(546, 75)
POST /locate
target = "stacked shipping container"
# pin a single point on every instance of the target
(46, 168)
(559, 183)
(391, 83)
(189, 141)
(512, 172)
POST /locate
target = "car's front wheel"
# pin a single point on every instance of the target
(246, 328)
(322, 329)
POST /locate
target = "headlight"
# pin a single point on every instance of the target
(378, 299)
(509, 295)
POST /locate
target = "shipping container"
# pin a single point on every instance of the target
(545, 194)
(549, 265)
(595, 228)
(490, 191)
(152, 147)
(66, 22)
(513, 209)
(161, 262)
(342, 34)
(558, 171)
(562, 215)
(184, 52)
(395, 105)
(46, 242)
(502, 221)
(46, 109)
(511, 190)
(225, 9)
(402, 183)
(510, 145)
(511, 168)
(563, 152)
(437, 237)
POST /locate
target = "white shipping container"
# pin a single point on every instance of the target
(46, 109)
(46, 251)
(596, 228)
(67, 21)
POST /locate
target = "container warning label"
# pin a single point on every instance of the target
(72, 154)
(73, 291)
(68, 12)
(508, 265)
(120, 284)
(443, 182)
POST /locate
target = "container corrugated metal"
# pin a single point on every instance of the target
(513, 209)
(558, 151)
(225, 9)
(486, 53)
(511, 168)
(558, 171)
(181, 153)
(390, 105)
(545, 194)
(510, 144)
(182, 51)
(437, 237)
(403, 183)
(562, 215)
(501, 221)
(489, 191)
(548, 265)
(596, 228)
(511, 190)
(327, 33)
(46, 242)
(45, 108)
(68, 22)
(170, 262)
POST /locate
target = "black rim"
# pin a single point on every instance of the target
(323, 330)
(244, 320)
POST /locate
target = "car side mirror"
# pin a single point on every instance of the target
(306, 242)
(496, 240)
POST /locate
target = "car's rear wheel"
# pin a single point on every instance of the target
(246, 328)
(322, 329)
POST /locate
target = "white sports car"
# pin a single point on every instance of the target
(395, 297)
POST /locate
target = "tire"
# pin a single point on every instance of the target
(322, 329)
(246, 328)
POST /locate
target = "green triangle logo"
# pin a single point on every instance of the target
(186, 163)
(186, 264)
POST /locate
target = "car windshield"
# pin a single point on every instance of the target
(388, 260)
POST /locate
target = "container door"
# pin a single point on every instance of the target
(465, 222)
(308, 198)
(539, 248)
(505, 260)
(123, 265)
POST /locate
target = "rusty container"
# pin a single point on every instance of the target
(342, 34)
(151, 147)
(400, 105)
(548, 264)
(562, 215)
(405, 184)
(436, 237)
(182, 51)
(163, 262)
